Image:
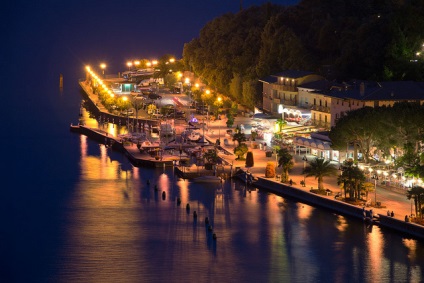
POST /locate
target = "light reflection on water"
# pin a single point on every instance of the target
(119, 229)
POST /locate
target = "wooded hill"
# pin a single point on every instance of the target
(349, 39)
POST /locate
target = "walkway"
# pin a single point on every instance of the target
(392, 200)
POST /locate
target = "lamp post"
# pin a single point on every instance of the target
(129, 64)
(305, 159)
(128, 119)
(219, 122)
(281, 111)
(375, 189)
(103, 67)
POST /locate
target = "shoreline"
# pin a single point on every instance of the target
(407, 228)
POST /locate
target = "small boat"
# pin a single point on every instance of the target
(208, 179)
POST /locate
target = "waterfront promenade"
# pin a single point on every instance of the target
(391, 199)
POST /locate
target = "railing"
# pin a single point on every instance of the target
(320, 124)
(321, 108)
(285, 87)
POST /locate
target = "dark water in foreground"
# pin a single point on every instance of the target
(108, 225)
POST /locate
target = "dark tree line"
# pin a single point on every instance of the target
(362, 39)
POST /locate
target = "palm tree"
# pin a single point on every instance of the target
(352, 180)
(281, 124)
(285, 160)
(320, 168)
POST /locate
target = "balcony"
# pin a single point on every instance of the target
(321, 124)
(284, 87)
(321, 109)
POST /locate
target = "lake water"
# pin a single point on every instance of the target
(73, 211)
(94, 217)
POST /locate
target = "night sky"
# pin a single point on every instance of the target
(110, 31)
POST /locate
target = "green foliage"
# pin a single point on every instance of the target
(320, 168)
(270, 170)
(211, 156)
(285, 160)
(239, 136)
(240, 151)
(417, 194)
(266, 39)
(400, 127)
(352, 179)
(230, 120)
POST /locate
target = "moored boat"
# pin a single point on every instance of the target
(208, 179)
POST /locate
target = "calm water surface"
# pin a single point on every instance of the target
(110, 225)
(74, 211)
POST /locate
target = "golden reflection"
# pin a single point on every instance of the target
(112, 129)
(279, 259)
(93, 167)
(341, 223)
(375, 247)
(164, 182)
(411, 245)
(183, 185)
(305, 211)
(83, 140)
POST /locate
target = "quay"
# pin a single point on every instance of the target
(392, 200)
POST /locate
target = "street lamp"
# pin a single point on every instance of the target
(125, 99)
(281, 111)
(103, 67)
(129, 64)
(219, 123)
(375, 189)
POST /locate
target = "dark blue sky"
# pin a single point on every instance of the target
(110, 31)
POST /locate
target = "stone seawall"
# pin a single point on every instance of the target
(408, 228)
(310, 198)
(116, 119)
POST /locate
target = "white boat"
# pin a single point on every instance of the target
(207, 179)
(191, 136)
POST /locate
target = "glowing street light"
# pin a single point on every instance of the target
(219, 124)
(129, 64)
(103, 67)
(281, 111)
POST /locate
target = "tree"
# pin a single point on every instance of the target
(211, 156)
(240, 151)
(230, 120)
(352, 179)
(249, 160)
(417, 193)
(239, 136)
(281, 124)
(285, 160)
(320, 168)
(356, 129)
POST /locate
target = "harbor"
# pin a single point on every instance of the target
(184, 155)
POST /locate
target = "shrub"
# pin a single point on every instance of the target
(249, 159)
(270, 170)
